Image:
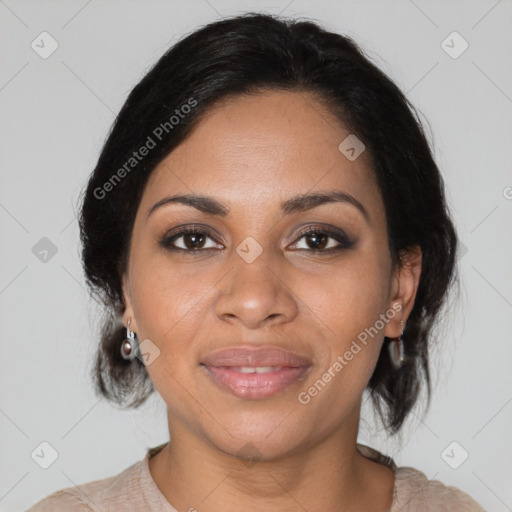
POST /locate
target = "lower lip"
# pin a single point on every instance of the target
(254, 386)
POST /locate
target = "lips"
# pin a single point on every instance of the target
(255, 373)
(253, 357)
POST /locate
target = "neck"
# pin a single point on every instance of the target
(194, 475)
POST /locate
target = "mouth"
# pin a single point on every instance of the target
(255, 373)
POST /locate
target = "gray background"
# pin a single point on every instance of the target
(55, 115)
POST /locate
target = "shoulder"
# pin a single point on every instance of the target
(415, 492)
(65, 499)
(106, 494)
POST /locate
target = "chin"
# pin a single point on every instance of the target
(258, 436)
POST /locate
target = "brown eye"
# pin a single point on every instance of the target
(323, 240)
(189, 240)
(317, 240)
(193, 240)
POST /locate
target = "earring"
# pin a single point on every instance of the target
(396, 349)
(129, 345)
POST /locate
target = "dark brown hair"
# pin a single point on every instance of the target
(247, 54)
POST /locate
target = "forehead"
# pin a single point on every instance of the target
(263, 148)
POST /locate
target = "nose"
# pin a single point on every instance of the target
(255, 294)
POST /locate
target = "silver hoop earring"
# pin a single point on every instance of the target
(129, 345)
(396, 349)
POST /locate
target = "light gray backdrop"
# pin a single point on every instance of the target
(56, 109)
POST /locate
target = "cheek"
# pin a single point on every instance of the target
(173, 307)
(347, 306)
(169, 312)
(350, 298)
(165, 293)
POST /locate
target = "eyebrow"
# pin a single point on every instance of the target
(300, 203)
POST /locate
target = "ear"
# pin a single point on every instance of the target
(128, 313)
(405, 283)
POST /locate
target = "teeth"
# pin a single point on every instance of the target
(257, 369)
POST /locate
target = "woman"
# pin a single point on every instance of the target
(269, 232)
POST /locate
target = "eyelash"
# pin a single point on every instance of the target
(340, 237)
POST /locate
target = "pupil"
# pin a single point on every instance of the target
(191, 240)
(320, 240)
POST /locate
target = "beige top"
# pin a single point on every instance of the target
(134, 490)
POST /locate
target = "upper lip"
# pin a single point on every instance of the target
(253, 357)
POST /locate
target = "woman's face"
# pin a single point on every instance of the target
(250, 278)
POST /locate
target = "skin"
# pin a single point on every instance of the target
(251, 153)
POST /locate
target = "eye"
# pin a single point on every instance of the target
(313, 239)
(190, 239)
(323, 240)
